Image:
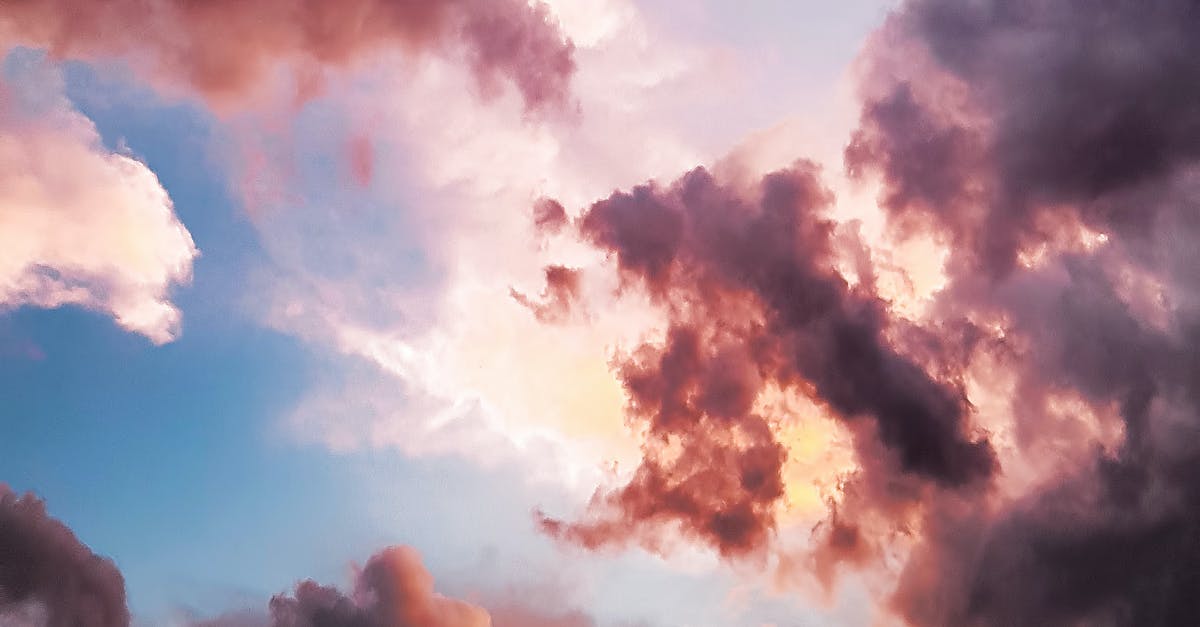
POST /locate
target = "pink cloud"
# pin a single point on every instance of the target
(755, 300)
(82, 225)
(393, 588)
(224, 48)
(561, 293)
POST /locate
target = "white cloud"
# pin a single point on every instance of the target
(79, 224)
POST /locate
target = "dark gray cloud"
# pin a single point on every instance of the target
(46, 572)
(1067, 114)
(1068, 103)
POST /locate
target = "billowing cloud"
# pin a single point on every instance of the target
(47, 576)
(392, 590)
(1002, 117)
(224, 49)
(755, 301)
(1053, 146)
(80, 224)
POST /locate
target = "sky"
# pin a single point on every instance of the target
(599, 313)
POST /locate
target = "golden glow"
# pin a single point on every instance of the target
(819, 452)
(913, 276)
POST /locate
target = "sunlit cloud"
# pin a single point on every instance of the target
(81, 224)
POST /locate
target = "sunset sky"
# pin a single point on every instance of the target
(599, 313)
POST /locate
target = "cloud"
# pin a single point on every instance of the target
(754, 300)
(549, 216)
(562, 291)
(82, 225)
(393, 589)
(405, 268)
(1001, 116)
(47, 576)
(1053, 147)
(225, 49)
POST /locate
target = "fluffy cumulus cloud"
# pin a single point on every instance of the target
(79, 223)
(393, 589)
(225, 49)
